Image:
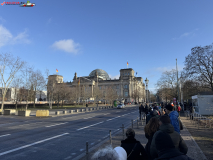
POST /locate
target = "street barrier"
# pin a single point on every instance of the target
(82, 110)
(9, 111)
(42, 113)
(57, 112)
(24, 113)
(64, 112)
(0, 111)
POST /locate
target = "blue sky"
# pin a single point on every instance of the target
(83, 35)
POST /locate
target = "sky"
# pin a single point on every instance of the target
(83, 35)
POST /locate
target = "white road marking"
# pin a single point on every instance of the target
(81, 150)
(88, 117)
(91, 143)
(56, 124)
(89, 126)
(106, 113)
(4, 135)
(68, 157)
(73, 153)
(22, 147)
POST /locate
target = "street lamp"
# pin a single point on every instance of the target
(146, 81)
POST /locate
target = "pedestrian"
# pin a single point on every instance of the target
(173, 115)
(108, 153)
(166, 149)
(150, 129)
(178, 109)
(153, 113)
(141, 109)
(166, 127)
(86, 105)
(133, 148)
(146, 109)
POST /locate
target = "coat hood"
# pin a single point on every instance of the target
(174, 114)
(168, 128)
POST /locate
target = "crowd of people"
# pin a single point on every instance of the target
(162, 130)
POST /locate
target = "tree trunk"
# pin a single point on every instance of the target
(34, 98)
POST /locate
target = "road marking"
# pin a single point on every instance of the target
(81, 150)
(88, 117)
(68, 157)
(106, 113)
(89, 126)
(73, 153)
(91, 143)
(5, 135)
(32, 144)
(56, 124)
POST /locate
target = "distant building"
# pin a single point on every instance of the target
(126, 86)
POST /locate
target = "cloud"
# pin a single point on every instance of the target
(67, 46)
(168, 68)
(187, 34)
(7, 38)
(113, 77)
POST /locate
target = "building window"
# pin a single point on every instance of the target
(125, 74)
(117, 87)
(100, 87)
(126, 94)
(126, 86)
(128, 74)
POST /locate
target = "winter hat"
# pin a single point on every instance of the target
(130, 133)
(121, 153)
(163, 141)
(169, 107)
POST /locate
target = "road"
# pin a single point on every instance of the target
(61, 137)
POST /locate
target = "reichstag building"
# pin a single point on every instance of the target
(126, 86)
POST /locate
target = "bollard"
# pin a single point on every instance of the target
(87, 151)
(110, 137)
(132, 123)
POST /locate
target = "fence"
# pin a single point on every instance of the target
(199, 120)
(122, 128)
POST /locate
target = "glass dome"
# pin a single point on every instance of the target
(101, 73)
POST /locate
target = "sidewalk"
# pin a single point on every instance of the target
(194, 150)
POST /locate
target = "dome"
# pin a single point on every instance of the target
(103, 74)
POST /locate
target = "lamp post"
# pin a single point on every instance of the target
(146, 81)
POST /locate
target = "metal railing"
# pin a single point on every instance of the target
(199, 120)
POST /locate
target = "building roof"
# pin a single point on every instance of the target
(101, 73)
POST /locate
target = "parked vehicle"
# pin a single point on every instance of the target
(120, 106)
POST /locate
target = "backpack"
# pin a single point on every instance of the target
(179, 109)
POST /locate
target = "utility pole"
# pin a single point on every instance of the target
(177, 82)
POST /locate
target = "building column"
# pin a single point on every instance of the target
(92, 90)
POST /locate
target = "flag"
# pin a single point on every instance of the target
(79, 81)
(127, 63)
(56, 70)
(136, 73)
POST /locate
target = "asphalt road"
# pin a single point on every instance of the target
(61, 137)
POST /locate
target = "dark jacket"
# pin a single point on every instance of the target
(146, 110)
(173, 154)
(141, 109)
(128, 144)
(148, 144)
(153, 113)
(176, 138)
(174, 120)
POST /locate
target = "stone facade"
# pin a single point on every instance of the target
(126, 86)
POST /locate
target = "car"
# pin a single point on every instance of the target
(120, 106)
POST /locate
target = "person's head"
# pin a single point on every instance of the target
(164, 120)
(130, 133)
(163, 141)
(169, 108)
(107, 153)
(152, 126)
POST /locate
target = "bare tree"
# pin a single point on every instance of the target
(10, 65)
(199, 65)
(97, 95)
(17, 83)
(111, 94)
(167, 85)
(38, 82)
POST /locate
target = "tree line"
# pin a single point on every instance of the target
(196, 76)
